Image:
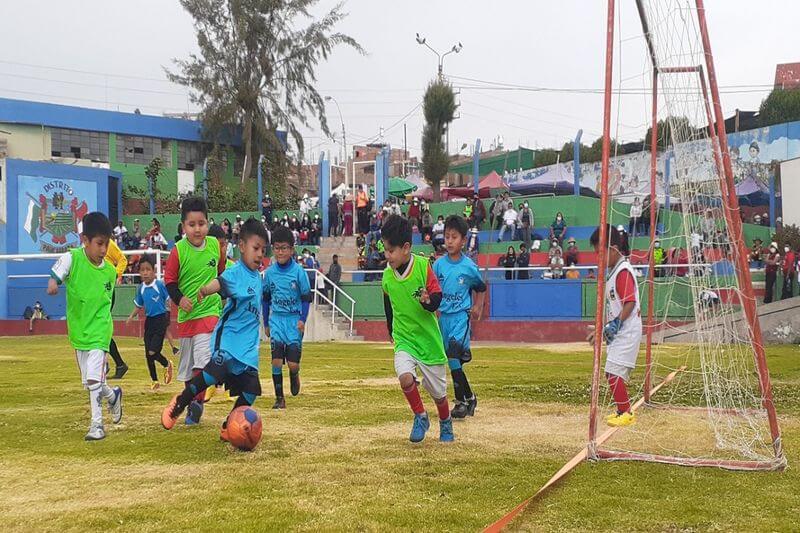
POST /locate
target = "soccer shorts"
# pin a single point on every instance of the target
(618, 370)
(434, 377)
(155, 329)
(195, 354)
(283, 329)
(234, 374)
(455, 334)
(92, 364)
(286, 352)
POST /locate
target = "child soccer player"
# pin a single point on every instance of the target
(235, 337)
(218, 233)
(193, 263)
(90, 284)
(623, 329)
(153, 298)
(458, 276)
(411, 297)
(287, 295)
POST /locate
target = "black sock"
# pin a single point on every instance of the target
(240, 401)
(461, 385)
(193, 387)
(277, 381)
(151, 367)
(114, 352)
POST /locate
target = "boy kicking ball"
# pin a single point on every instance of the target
(623, 329)
(90, 281)
(411, 297)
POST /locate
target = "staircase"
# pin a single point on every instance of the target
(320, 327)
(345, 248)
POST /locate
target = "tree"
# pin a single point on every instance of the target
(257, 69)
(665, 128)
(780, 106)
(439, 107)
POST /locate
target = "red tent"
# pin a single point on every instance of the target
(491, 181)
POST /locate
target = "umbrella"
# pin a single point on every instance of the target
(399, 187)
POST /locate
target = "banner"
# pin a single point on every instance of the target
(50, 212)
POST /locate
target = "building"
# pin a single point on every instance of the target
(787, 76)
(364, 156)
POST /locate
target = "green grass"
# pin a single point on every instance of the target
(338, 458)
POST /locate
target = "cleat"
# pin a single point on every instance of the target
(472, 404)
(175, 351)
(210, 391)
(115, 406)
(170, 413)
(155, 386)
(223, 432)
(119, 372)
(280, 403)
(420, 427)
(621, 420)
(295, 383)
(446, 430)
(95, 433)
(194, 413)
(460, 410)
(168, 372)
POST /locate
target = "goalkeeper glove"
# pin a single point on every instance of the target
(611, 329)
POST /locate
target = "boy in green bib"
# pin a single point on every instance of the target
(194, 262)
(411, 297)
(90, 281)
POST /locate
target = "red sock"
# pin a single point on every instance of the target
(620, 393)
(443, 406)
(200, 396)
(414, 400)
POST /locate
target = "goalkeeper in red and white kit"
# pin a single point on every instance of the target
(623, 329)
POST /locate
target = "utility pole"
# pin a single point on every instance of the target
(405, 149)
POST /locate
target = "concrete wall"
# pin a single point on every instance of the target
(790, 190)
(27, 142)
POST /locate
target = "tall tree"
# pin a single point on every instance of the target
(439, 107)
(780, 106)
(256, 69)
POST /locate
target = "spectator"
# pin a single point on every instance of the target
(591, 274)
(438, 232)
(645, 217)
(374, 231)
(347, 216)
(305, 205)
(473, 244)
(624, 237)
(315, 230)
(386, 210)
(394, 207)
(334, 271)
(526, 223)
(426, 222)
(757, 220)
(333, 216)
(304, 228)
(773, 261)
(634, 217)
(179, 231)
(478, 212)
(496, 217)
(373, 263)
(468, 208)
(789, 270)
(555, 265)
(756, 254)
(558, 228)
(37, 313)
(137, 231)
(554, 248)
(413, 213)
(509, 223)
(709, 228)
(571, 254)
(523, 261)
(765, 219)
(510, 261)
(362, 208)
(294, 224)
(659, 256)
(266, 206)
(121, 233)
(237, 228)
(226, 227)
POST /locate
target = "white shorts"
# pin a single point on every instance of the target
(434, 377)
(618, 370)
(195, 353)
(92, 364)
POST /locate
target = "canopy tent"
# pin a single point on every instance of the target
(492, 181)
(399, 187)
(557, 180)
(423, 190)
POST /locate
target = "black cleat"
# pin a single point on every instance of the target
(280, 403)
(460, 410)
(472, 404)
(120, 371)
(295, 383)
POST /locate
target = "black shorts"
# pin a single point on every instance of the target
(236, 377)
(155, 329)
(286, 352)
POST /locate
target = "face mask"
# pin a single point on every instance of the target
(526, 204)
(558, 218)
(785, 248)
(657, 244)
(773, 249)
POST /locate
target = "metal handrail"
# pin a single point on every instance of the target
(147, 251)
(335, 308)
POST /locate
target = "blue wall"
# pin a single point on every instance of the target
(540, 299)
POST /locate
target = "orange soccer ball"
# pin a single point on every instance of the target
(244, 428)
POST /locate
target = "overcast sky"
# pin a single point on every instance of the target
(111, 53)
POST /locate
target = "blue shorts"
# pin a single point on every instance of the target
(283, 329)
(455, 333)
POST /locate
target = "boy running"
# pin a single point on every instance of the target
(153, 298)
(458, 276)
(287, 296)
(623, 329)
(193, 263)
(90, 284)
(235, 337)
(411, 297)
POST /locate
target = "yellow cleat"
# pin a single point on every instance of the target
(625, 419)
(209, 393)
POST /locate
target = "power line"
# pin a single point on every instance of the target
(99, 86)
(92, 100)
(89, 72)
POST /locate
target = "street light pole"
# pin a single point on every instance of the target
(344, 136)
(454, 50)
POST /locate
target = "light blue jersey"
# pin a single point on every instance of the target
(287, 295)
(236, 333)
(152, 298)
(458, 279)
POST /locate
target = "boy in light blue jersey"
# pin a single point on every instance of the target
(287, 295)
(235, 339)
(458, 277)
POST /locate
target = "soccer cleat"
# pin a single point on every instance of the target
(295, 383)
(420, 427)
(460, 410)
(472, 404)
(194, 413)
(280, 403)
(223, 432)
(446, 430)
(168, 372)
(621, 420)
(115, 406)
(155, 386)
(95, 433)
(120, 371)
(170, 413)
(175, 351)
(209, 394)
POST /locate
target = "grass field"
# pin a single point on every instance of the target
(339, 458)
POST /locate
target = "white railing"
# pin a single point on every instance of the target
(332, 301)
(23, 257)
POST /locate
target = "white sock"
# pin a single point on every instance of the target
(108, 392)
(95, 402)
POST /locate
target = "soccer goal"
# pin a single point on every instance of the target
(701, 390)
